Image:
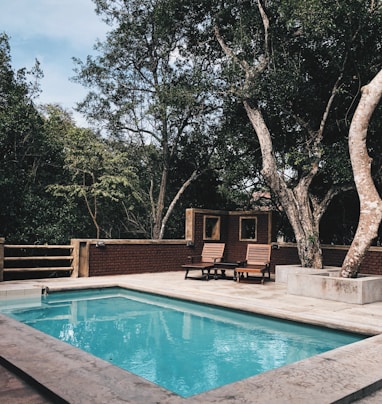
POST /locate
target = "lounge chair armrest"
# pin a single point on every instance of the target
(266, 268)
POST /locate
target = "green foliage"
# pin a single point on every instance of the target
(147, 90)
(24, 155)
(42, 150)
(319, 54)
(168, 102)
(97, 172)
(312, 44)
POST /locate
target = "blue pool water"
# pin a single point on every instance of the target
(187, 348)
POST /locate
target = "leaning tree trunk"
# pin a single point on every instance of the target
(370, 201)
(296, 203)
(195, 174)
(302, 209)
(157, 210)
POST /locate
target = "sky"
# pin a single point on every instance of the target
(53, 31)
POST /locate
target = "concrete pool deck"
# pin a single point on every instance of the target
(62, 372)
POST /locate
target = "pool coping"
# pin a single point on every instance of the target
(340, 375)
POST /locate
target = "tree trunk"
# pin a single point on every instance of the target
(303, 210)
(93, 213)
(161, 220)
(305, 225)
(370, 201)
(158, 211)
(303, 216)
(180, 192)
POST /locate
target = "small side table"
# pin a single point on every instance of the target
(223, 266)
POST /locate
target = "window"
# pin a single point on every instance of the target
(211, 228)
(248, 229)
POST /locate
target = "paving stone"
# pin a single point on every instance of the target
(341, 375)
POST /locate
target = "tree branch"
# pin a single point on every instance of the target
(195, 174)
(265, 19)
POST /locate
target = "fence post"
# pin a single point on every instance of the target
(75, 253)
(80, 258)
(2, 241)
(84, 255)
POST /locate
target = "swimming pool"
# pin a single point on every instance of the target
(185, 347)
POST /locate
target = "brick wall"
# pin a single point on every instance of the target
(372, 264)
(134, 256)
(332, 256)
(118, 259)
(284, 255)
(139, 258)
(237, 249)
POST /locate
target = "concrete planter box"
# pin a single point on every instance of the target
(326, 284)
(282, 272)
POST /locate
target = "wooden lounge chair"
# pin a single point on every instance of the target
(211, 253)
(257, 262)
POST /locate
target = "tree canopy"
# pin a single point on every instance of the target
(146, 90)
(194, 103)
(297, 68)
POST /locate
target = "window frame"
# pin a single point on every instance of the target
(215, 227)
(242, 228)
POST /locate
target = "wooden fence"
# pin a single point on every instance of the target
(19, 260)
(91, 257)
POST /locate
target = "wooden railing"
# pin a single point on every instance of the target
(50, 259)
